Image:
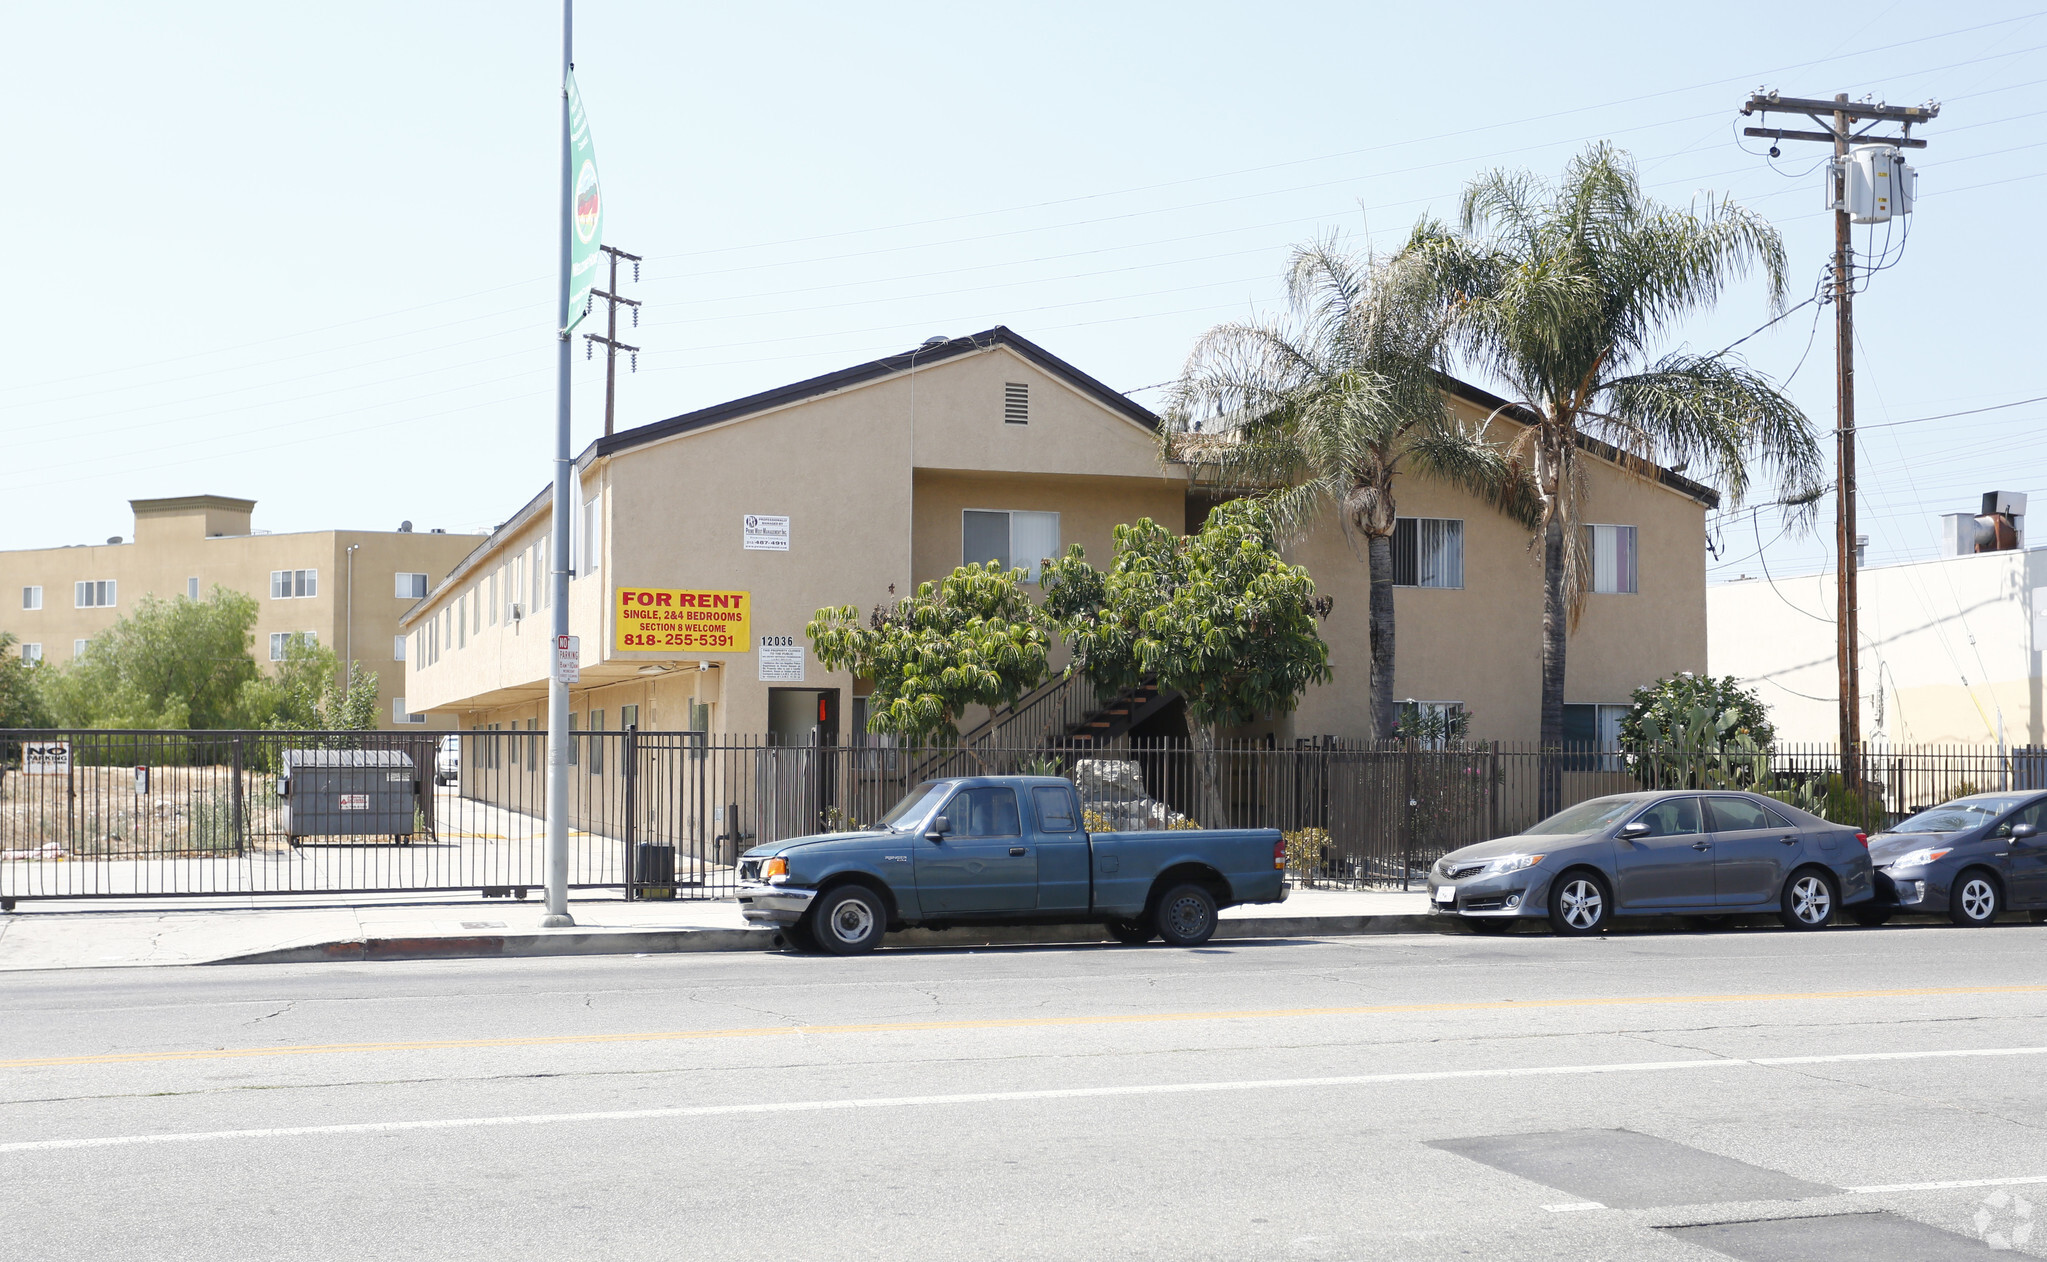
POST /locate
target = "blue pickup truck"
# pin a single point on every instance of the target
(1007, 850)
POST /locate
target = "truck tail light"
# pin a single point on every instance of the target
(1279, 855)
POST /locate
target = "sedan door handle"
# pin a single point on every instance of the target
(1702, 845)
(1018, 850)
(1792, 840)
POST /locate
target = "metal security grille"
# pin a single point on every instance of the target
(1016, 403)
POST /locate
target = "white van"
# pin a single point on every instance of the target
(448, 761)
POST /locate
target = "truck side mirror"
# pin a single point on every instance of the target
(1639, 828)
(939, 828)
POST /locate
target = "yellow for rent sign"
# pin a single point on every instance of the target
(689, 621)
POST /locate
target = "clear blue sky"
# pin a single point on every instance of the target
(304, 254)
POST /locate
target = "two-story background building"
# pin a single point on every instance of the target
(893, 472)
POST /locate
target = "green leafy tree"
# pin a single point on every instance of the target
(973, 639)
(1564, 293)
(303, 694)
(1663, 708)
(21, 700)
(350, 705)
(1323, 410)
(169, 664)
(1217, 616)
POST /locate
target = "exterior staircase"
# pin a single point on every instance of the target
(1065, 714)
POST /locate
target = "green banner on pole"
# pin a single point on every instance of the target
(586, 223)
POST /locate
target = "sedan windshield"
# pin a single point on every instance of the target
(911, 811)
(1953, 817)
(1586, 817)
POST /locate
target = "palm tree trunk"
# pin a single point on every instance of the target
(1379, 555)
(1555, 625)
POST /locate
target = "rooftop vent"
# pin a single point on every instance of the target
(113, 538)
(2000, 527)
(936, 339)
(404, 527)
(1016, 403)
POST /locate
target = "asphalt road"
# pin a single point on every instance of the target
(1751, 1093)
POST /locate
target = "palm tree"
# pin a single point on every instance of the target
(1323, 409)
(1562, 292)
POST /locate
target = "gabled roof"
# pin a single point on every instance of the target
(796, 392)
(1605, 451)
(874, 370)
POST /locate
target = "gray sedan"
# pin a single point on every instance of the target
(1968, 860)
(1681, 852)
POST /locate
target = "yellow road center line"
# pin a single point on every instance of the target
(1000, 1023)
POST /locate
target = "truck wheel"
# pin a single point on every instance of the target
(849, 921)
(1132, 932)
(1186, 916)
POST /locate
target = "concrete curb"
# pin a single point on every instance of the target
(677, 941)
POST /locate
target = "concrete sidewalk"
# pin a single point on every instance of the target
(257, 931)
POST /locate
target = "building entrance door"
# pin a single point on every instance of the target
(800, 764)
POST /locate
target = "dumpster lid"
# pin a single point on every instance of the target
(297, 758)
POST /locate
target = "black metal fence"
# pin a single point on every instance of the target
(100, 814)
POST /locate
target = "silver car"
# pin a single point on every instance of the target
(1680, 852)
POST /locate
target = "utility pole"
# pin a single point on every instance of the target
(1838, 118)
(557, 846)
(609, 338)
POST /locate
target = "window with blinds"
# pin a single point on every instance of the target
(1612, 549)
(1428, 552)
(1009, 539)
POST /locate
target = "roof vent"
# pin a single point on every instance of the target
(2000, 527)
(404, 527)
(113, 538)
(1016, 403)
(936, 339)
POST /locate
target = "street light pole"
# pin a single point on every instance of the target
(557, 915)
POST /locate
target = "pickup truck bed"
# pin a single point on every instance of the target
(1004, 850)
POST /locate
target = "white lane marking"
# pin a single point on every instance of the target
(1001, 1097)
(1573, 1207)
(1952, 1183)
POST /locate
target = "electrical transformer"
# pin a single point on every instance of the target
(1880, 184)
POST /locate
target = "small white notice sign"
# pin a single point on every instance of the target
(46, 758)
(781, 660)
(759, 533)
(355, 801)
(568, 658)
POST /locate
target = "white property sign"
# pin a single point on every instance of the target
(568, 658)
(758, 533)
(46, 758)
(781, 660)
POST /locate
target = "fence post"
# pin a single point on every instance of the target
(632, 808)
(235, 793)
(1406, 813)
(1493, 794)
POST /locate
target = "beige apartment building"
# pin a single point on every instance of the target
(343, 588)
(852, 487)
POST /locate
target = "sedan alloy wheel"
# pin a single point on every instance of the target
(1578, 905)
(1974, 901)
(1808, 901)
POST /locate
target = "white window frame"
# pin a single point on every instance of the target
(281, 642)
(1033, 566)
(100, 593)
(1446, 567)
(399, 714)
(494, 597)
(1436, 709)
(31, 652)
(192, 588)
(294, 584)
(409, 585)
(32, 597)
(1622, 584)
(589, 537)
(78, 648)
(398, 648)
